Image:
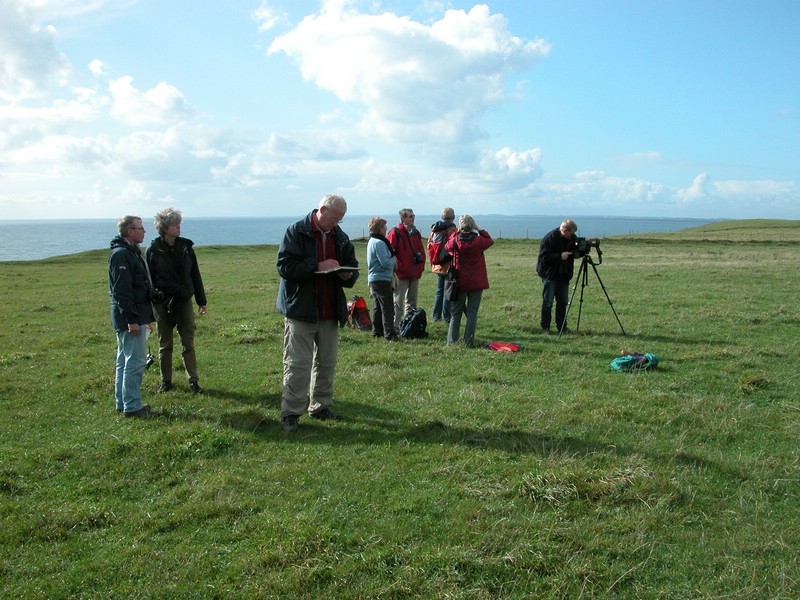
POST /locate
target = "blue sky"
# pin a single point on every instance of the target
(257, 108)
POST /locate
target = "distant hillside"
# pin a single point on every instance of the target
(746, 230)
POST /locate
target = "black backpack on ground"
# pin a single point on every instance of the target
(414, 324)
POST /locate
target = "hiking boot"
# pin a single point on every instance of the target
(325, 414)
(165, 387)
(143, 413)
(290, 423)
(195, 387)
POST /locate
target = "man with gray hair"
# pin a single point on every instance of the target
(131, 316)
(409, 252)
(315, 261)
(555, 266)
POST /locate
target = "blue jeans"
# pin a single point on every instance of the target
(558, 290)
(469, 303)
(441, 306)
(131, 356)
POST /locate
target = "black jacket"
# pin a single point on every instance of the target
(297, 262)
(175, 271)
(128, 286)
(549, 265)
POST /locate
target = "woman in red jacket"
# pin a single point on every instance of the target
(467, 248)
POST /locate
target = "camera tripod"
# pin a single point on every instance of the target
(583, 277)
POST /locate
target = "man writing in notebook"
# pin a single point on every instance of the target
(314, 307)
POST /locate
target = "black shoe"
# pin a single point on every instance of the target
(196, 389)
(165, 387)
(143, 413)
(290, 423)
(325, 414)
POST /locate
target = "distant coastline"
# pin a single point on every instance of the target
(36, 239)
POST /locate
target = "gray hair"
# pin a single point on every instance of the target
(125, 223)
(570, 224)
(466, 223)
(404, 212)
(166, 218)
(448, 214)
(333, 201)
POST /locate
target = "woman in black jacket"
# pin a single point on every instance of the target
(175, 272)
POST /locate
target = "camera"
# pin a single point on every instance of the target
(149, 360)
(419, 258)
(581, 246)
(156, 296)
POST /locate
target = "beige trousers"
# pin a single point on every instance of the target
(309, 365)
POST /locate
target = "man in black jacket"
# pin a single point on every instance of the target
(175, 272)
(131, 316)
(555, 266)
(315, 261)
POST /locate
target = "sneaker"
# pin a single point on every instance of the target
(143, 413)
(196, 389)
(165, 387)
(290, 423)
(325, 414)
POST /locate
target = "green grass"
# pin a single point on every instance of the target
(457, 473)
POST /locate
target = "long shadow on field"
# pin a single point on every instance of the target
(375, 425)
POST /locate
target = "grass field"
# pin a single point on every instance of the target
(456, 473)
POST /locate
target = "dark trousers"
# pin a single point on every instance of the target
(382, 309)
(558, 291)
(186, 328)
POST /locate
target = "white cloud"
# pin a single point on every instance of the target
(268, 17)
(511, 166)
(416, 83)
(161, 104)
(98, 68)
(698, 190)
(29, 62)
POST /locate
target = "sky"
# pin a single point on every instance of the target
(237, 108)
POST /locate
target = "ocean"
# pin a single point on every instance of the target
(37, 239)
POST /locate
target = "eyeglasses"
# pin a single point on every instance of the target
(142, 228)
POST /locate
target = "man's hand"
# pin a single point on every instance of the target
(328, 265)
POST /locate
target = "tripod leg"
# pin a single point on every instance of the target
(611, 304)
(581, 274)
(584, 283)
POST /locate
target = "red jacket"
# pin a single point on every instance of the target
(467, 252)
(405, 245)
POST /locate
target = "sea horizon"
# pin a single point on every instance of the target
(36, 239)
